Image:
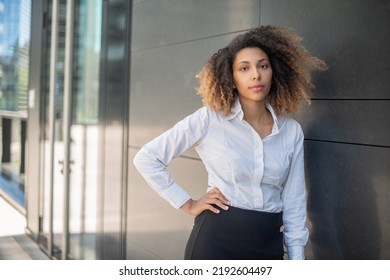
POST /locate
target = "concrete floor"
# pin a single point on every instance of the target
(14, 243)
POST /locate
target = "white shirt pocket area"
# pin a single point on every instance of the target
(276, 168)
(220, 171)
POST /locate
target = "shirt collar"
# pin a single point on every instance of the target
(237, 112)
(275, 126)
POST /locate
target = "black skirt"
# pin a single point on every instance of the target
(236, 234)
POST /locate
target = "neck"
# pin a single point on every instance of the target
(255, 111)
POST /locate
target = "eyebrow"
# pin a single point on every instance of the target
(247, 62)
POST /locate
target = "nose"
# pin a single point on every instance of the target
(256, 74)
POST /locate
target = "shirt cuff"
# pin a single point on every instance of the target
(176, 196)
(296, 252)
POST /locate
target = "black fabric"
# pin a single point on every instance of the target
(236, 234)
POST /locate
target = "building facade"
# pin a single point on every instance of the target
(107, 76)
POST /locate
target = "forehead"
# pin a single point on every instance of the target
(250, 54)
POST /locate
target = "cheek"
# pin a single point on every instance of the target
(234, 79)
(237, 80)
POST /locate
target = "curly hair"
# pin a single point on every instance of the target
(291, 64)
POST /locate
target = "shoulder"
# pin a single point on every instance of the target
(207, 114)
(290, 127)
(198, 120)
(202, 114)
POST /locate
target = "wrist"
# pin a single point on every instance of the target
(187, 206)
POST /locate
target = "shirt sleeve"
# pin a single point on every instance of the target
(294, 203)
(154, 157)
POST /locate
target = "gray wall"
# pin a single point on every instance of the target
(346, 128)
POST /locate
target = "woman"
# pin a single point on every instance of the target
(252, 151)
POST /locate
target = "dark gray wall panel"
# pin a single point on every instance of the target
(348, 201)
(162, 22)
(156, 230)
(353, 37)
(163, 86)
(113, 114)
(351, 121)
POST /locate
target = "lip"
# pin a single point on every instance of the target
(257, 87)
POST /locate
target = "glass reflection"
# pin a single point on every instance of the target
(83, 133)
(84, 129)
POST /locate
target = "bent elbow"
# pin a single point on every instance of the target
(138, 159)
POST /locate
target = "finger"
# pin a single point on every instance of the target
(213, 209)
(220, 197)
(217, 202)
(221, 205)
(216, 199)
(224, 200)
(205, 204)
(214, 190)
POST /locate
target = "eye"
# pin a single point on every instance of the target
(264, 66)
(243, 69)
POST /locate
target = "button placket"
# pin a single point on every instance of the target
(258, 161)
(259, 169)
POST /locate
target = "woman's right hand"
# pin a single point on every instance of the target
(206, 202)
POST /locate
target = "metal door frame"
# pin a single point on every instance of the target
(66, 120)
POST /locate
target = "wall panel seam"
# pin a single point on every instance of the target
(188, 41)
(347, 143)
(350, 99)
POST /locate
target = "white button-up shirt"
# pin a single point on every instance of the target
(253, 173)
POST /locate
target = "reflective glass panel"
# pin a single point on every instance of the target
(84, 129)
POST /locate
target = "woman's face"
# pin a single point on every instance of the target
(252, 74)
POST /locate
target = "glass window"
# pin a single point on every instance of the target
(14, 54)
(15, 24)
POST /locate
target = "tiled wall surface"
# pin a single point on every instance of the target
(346, 127)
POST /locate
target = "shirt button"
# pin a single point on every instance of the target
(281, 229)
